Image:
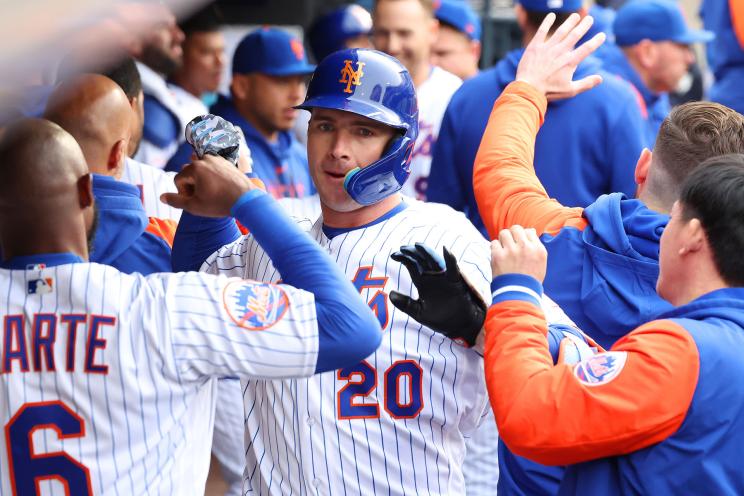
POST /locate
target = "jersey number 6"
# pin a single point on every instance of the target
(403, 391)
(28, 469)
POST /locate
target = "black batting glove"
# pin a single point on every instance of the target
(447, 303)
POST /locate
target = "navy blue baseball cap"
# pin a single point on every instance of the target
(551, 5)
(271, 51)
(655, 20)
(458, 14)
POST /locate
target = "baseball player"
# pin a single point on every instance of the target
(394, 423)
(407, 30)
(604, 259)
(150, 181)
(660, 412)
(345, 27)
(108, 379)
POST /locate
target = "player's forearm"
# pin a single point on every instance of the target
(348, 330)
(198, 237)
(506, 188)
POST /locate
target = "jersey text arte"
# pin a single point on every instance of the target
(49, 330)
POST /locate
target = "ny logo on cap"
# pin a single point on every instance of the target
(297, 49)
(350, 76)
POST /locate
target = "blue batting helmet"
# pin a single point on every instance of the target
(374, 85)
(329, 32)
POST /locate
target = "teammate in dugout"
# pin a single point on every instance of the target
(419, 395)
(659, 412)
(575, 243)
(109, 379)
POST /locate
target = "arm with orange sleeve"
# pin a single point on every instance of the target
(736, 7)
(506, 188)
(612, 403)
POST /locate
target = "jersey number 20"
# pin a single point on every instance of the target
(28, 469)
(403, 391)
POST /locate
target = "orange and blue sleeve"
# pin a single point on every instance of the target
(506, 188)
(612, 403)
(164, 229)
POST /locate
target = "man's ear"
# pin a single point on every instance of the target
(85, 191)
(645, 52)
(240, 86)
(475, 49)
(695, 238)
(642, 167)
(433, 31)
(115, 162)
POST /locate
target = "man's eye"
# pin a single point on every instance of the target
(364, 132)
(324, 126)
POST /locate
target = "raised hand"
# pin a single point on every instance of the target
(549, 62)
(447, 303)
(208, 187)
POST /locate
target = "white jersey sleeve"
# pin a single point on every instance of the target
(152, 182)
(220, 326)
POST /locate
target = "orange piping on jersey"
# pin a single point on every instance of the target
(260, 185)
(164, 229)
(545, 413)
(736, 7)
(506, 188)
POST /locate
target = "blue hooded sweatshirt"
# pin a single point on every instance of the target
(121, 239)
(588, 146)
(704, 455)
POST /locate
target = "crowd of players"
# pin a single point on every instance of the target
(400, 159)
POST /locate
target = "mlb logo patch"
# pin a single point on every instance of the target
(40, 286)
(36, 266)
(601, 368)
(255, 306)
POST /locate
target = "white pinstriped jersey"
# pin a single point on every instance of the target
(108, 380)
(152, 182)
(395, 423)
(433, 97)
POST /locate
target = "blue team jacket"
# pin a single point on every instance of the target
(725, 54)
(588, 145)
(121, 239)
(282, 166)
(656, 106)
(704, 456)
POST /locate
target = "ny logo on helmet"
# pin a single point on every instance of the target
(350, 76)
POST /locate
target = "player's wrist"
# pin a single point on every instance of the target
(514, 286)
(246, 197)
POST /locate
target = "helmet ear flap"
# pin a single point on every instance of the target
(386, 176)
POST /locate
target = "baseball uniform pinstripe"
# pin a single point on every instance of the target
(152, 182)
(109, 390)
(393, 424)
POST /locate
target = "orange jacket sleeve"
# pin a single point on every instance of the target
(506, 188)
(736, 7)
(164, 229)
(563, 414)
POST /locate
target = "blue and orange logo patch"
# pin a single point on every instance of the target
(254, 306)
(601, 368)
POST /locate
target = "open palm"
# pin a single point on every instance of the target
(549, 61)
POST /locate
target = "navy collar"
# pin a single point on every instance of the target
(332, 232)
(40, 261)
